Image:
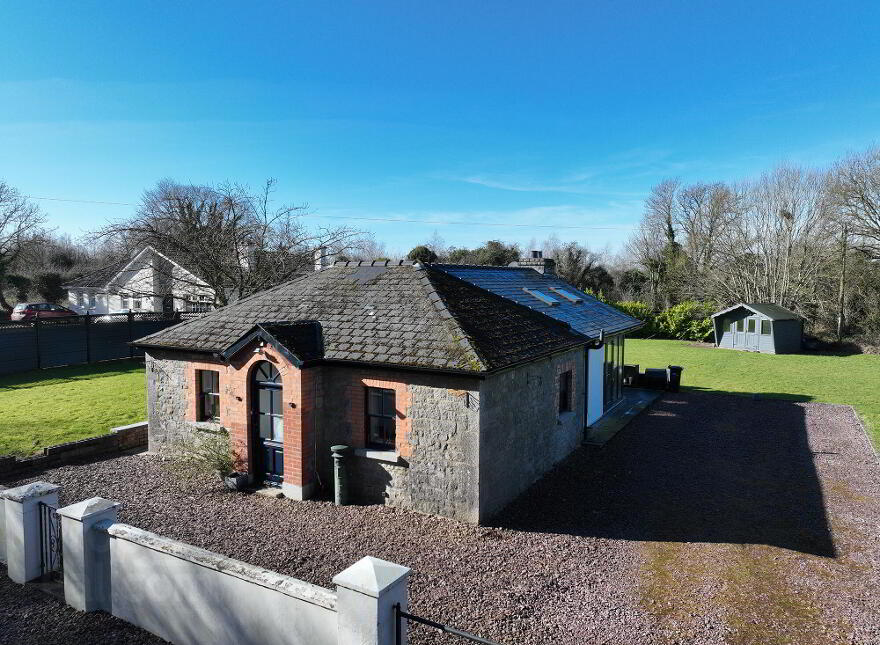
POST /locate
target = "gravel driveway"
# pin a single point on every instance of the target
(710, 519)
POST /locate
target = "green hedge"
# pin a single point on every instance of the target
(688, 320)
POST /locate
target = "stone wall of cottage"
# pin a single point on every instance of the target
(522, 433)
(172, 404)
(166, 398)
(434, 467)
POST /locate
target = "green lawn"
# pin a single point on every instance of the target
(47, 407)
(853, 379)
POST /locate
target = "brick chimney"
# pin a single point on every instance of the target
(536, 260)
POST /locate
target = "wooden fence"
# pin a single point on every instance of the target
(53, 342)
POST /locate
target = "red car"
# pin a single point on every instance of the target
(31, 310)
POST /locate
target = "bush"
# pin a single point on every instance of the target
(642, 311)
(685, 321)
(205, 452)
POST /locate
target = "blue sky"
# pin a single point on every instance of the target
(550, 114)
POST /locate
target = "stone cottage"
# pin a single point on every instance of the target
(454, 398)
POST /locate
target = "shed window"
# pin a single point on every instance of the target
(740, 325)
(765, 327)
(209, 395)
(751, 325)
(565, 380)
(381, 418)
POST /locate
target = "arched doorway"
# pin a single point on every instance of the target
(267, 424)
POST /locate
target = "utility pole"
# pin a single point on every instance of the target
(841, 294)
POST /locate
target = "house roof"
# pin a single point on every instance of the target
(767, 309)
(100, 277)
(124, 269)
(387, 313)
(299, 341)
(545, 293)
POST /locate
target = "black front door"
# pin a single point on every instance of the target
(168, 305)
(268, 424)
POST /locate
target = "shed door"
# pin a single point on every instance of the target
(753, 339)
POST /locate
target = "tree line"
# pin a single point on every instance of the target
(806, 239)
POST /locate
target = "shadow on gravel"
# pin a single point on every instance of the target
(694, 468)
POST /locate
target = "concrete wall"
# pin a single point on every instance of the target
(191, 596)
(522, 433)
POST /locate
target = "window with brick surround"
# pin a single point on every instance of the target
(381, 418)
(565, 379)
(209, 395)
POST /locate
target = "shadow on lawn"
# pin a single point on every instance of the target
(694, 468)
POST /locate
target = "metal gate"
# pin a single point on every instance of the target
(400, 616)
(51, 547)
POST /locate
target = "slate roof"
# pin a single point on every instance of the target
(768, 309)
(588, 317)
(394, 314)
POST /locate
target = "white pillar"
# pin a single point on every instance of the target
(87, 553)
(366, 594)
(23, 528)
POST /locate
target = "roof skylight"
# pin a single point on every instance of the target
(543, 297)
(568, 295)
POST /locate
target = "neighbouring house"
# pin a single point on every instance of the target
(455, 387)
(149, 281)
(758, 327)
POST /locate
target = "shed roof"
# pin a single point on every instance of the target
(586, 314)
(767, 309)
(398, 314)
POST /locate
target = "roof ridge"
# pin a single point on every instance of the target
(447, 316)
(374, 263)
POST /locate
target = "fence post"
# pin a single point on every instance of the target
(87, 553)
(37, 338)
(130, 348)
(23, 528)
(366, 594)
(88, 337)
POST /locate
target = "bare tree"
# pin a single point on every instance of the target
(237, 242)
(856, 195)
(21, 227)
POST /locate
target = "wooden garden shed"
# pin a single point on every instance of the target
(758, 327)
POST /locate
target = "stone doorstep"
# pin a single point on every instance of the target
(269, 491)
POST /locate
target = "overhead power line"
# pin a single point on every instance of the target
(375, 219)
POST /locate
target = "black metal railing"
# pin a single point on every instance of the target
(51, 545)
(400, 615)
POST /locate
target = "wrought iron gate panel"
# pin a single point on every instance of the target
(51, 545)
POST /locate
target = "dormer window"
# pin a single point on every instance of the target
(543, 297)
(568, 295)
